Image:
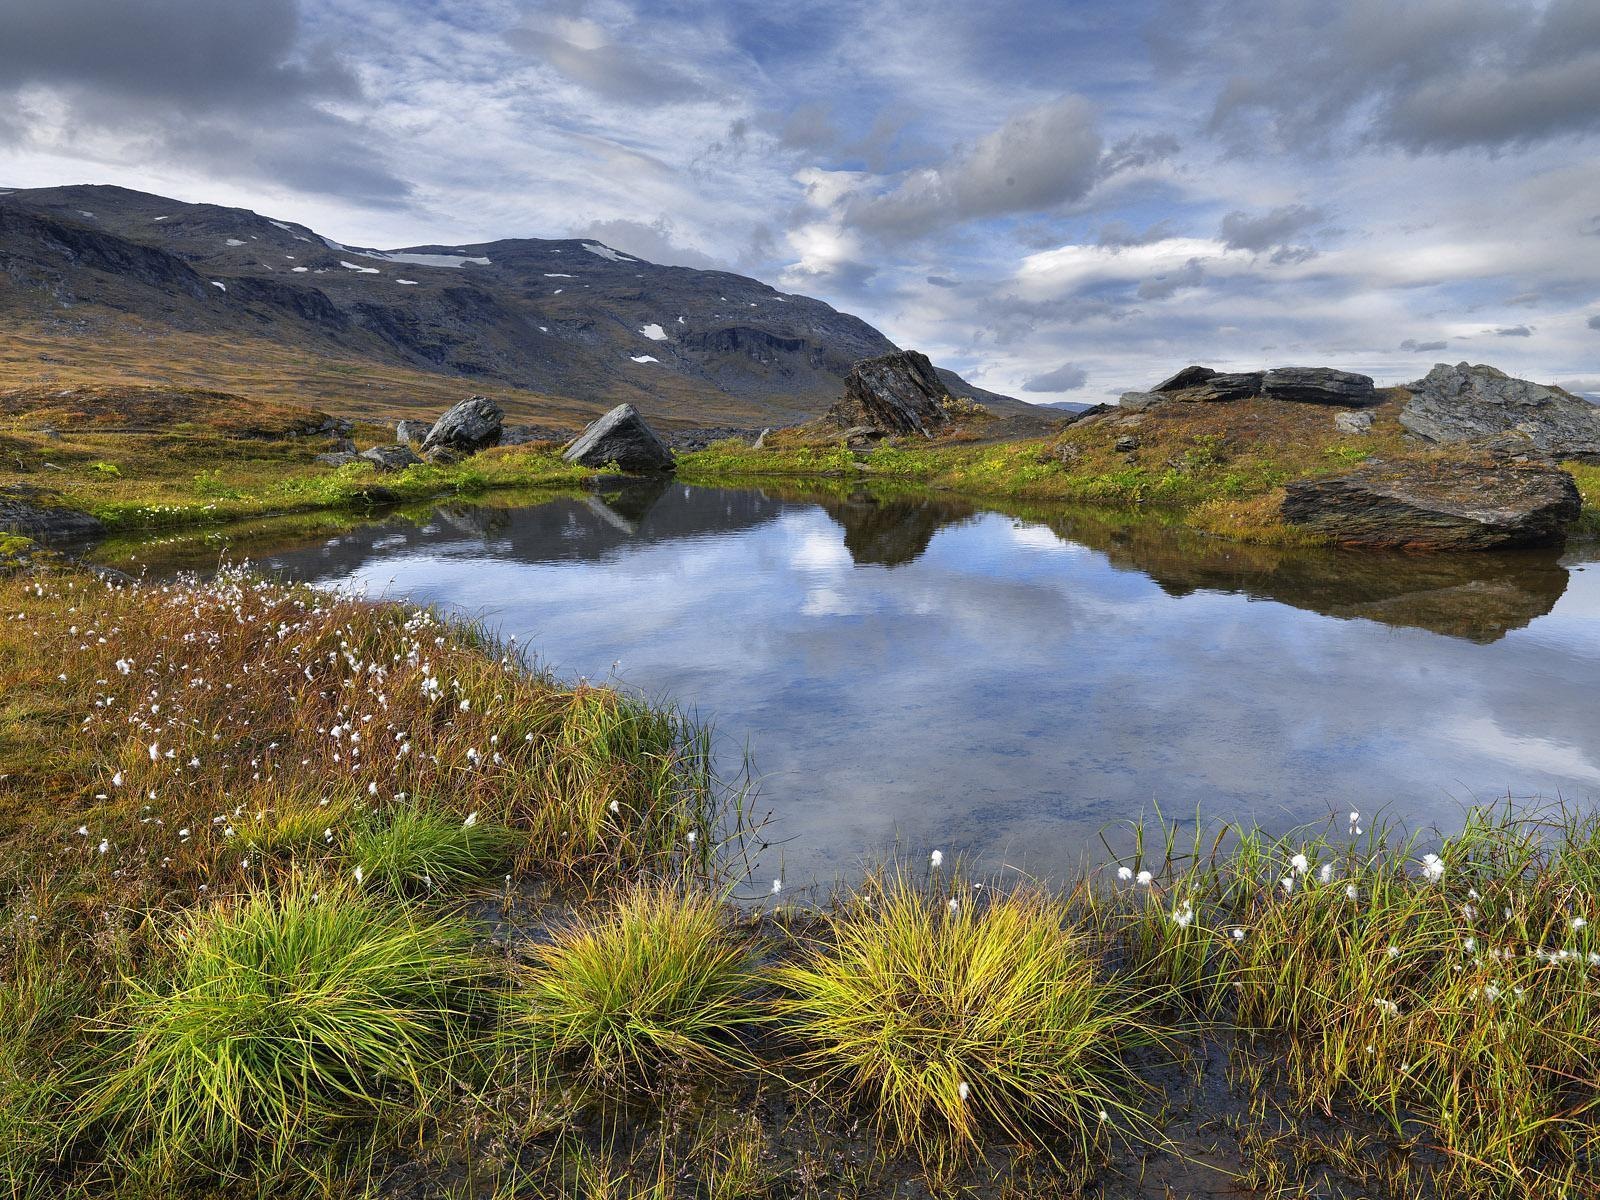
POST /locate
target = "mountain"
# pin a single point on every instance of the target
(105, 281)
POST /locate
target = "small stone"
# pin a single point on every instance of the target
(1353, 422)
(390, 458)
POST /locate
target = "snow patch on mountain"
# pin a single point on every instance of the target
(654, 332)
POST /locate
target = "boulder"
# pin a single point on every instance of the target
(1482, 505)
(470, 426)
(336, 458)
(390, 458)
(411, 433)
(620, 438)
(1318, 385)
(1185, 379)
(28, 512)
(1465, 403)
(1139, 401)
(895, 393)
(1353, 422)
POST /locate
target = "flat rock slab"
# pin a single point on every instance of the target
(390, 458)
(622, 439)
(1464, 403)
(28, 513)
(470, 426)
(1318, 385)
(895, 393)
(1438, 505)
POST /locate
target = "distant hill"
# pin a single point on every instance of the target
(108, 284)
(1066, 406)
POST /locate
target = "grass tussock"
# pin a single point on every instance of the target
(946, 1016)
(271, 1022)
(414, 850)
(655, 982)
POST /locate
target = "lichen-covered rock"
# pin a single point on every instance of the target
(896, 393)
(622, 439)
(1318, 385)
(30, 512)
(470, 426)
(390, 458)
(336, 458)
(1353, 422)
(1139, 401)
(411, 433)
(1480, 505)
(1466, 403)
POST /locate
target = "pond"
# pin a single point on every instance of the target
(1005, 685)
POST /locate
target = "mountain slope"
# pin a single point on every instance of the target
(568, 326)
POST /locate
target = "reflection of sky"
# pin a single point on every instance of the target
(1008, 694)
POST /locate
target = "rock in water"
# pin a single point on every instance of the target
(1318, 385)
(411, 433)
(390, 458)
(895, 393)
(470, 426)
(1463, 403)
(29, 512)
(1438, 505)
(620, 438)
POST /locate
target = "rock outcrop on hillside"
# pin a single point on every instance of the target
(1202, 384)
(1468, 403)
(621, 439)
(894, 393)
(468, 427)
(1453, 505)
(1301, 385)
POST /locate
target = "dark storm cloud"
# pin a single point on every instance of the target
(1424, 75)
(228, 87)
(1416, 347)
(1594, 321)
(1065, 378)
(1265, 231)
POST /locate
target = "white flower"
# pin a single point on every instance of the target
(1299, 863)
(472, 819)
(1387, 1007)
(1350, 891)
(935, 859)
(1325, 872)
(1355, 821)
(1183, 915)
(465, 705)
(116, 780)
(955, 906)
(1287, 884)
(690, 837)
(1578, 923)
(614, 807)
(83, 831)
(1124, 873)
(777, 886)
(1238, 934)
(155, 751)
(1432, 868)
(360, 874)
(1144, 878)
(104, 845)
(962, 1089)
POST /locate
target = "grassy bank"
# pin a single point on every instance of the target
(302, 895)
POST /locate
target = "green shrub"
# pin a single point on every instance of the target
(654, 981)
(942, 1015)
(272, 1023)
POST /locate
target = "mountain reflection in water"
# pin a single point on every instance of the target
(1006, 683)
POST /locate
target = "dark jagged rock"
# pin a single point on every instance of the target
(1187, 378)
(470, 426)
(1318, 385)
(1205, 386)
(894, 393)
(1438, 505)
(621, 439)
(411, 433)
(1466, 403)
(391, 458)
(28, 512)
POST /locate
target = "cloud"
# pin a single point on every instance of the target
(584, 52)
(1067, 377)
(233, 89)
(1594, 321)
(1513, 331)
(1423, 75)
(1242, 231)
(1121, 233)
(1038, 159)
(945, 282)
(1416, 347)
(1190, 275)
(653, 241)
(1589, 388)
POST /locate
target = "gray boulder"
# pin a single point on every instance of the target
(390, 458)
(1353, 422)
(1318, 385)
(336, 458)
(1205, 386)
(30, 513)
(470, 426)
(1464, 403)
(411, 433)
(894, 393)
(1139, 401)
(620, 438)
(1438, 505)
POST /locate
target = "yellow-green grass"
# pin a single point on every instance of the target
(653, 983)
(411, 849)
(1588, 477)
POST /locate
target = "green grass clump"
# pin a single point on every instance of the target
(654, 981)
(270, 1024)
(416, 850)
(943, 1016)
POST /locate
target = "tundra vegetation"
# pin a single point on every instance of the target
(302, 895)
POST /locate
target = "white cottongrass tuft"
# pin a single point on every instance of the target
(472, 819)
(1183, 915)
(1124, 873)
(1300, 864)
(935, 859)
(1432, 868)
(1144, 878)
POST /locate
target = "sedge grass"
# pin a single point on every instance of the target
(652, 982)
(411, 849)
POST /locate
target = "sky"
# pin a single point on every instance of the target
(1063, 200)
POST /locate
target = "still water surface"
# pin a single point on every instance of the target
(1004, 685)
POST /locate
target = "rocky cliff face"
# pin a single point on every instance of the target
(566, 318)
